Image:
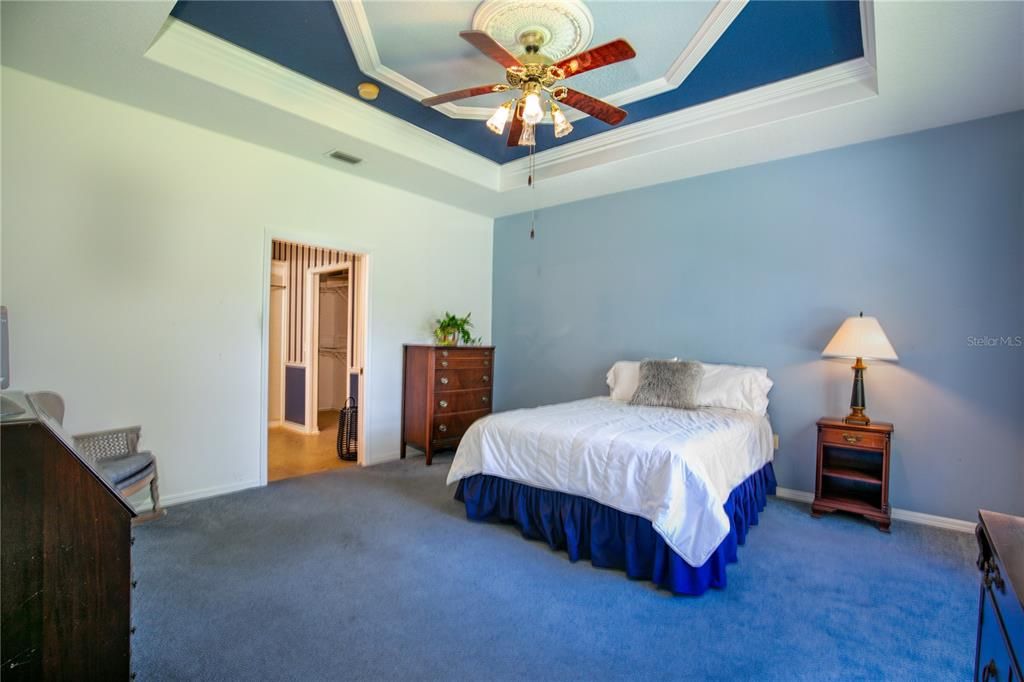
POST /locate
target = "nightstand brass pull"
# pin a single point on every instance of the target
(485, 399)
(487, 363)
(444, 354)
(444, 363)
(442, 428)
(443, 403)
(486, 378)
(444, 380)
(850, 438)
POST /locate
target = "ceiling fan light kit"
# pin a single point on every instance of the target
(496, 123)
(534, 74)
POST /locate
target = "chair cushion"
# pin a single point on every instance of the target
(128, 470)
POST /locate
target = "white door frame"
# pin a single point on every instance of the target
(311, 333)
(361, 349)
(281, 266)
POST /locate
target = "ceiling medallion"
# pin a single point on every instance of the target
(564, 27)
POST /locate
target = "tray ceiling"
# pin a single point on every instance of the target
(689, 53)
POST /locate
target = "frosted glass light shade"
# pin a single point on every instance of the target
(562, 125)
(860, 337)
(532, 112)
(527, 138)
(496, 123)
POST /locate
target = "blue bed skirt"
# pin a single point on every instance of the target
(614, 539)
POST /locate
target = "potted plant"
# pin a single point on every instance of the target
(452, 329)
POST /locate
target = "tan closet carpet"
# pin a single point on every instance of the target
(291, 454)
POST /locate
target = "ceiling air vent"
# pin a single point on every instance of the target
(342, 156)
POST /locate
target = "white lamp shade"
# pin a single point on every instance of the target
(860, 337)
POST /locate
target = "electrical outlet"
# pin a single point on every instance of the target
(775, 440)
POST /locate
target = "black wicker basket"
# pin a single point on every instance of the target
(348, 431)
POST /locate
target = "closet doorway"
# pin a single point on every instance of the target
(315, 347)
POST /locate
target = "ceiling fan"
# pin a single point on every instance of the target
(533, 75)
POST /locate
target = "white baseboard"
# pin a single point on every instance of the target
(202, 493)
(897, 514)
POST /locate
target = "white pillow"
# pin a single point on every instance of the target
(735, 387)
(623, 378)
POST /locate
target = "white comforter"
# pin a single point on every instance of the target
(675, 468)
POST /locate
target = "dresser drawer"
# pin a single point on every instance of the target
(462, 352)
(446, 402)
(455, 379)
(463, 362)
(850, 438)
(451, 426)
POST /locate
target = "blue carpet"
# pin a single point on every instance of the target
(376, 574)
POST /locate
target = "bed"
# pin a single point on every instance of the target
(665, 494)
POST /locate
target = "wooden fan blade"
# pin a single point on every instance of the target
(608, 113)
(515, 129)
(596, 57)
(490, 47)
(459, 94)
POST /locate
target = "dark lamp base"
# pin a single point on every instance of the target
(857, 415)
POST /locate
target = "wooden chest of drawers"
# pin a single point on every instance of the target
(444, 390)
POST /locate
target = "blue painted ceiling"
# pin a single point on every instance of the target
(769, 41)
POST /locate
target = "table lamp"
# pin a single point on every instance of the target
(859, 337)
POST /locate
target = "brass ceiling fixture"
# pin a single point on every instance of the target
(533, 76)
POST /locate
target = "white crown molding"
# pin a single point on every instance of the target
(193, 51)
(897, 514)
(188, 49)
(867, 30)
(832, 86)
(360, 36)
(720, 18)
(357, 28)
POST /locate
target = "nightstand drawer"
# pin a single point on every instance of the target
(850, 438)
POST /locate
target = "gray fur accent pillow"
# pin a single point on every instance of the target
(665, 383)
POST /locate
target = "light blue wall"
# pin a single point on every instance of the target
(760, 265)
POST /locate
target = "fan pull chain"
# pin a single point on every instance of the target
(533, 188)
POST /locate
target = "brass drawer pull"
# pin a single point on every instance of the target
(443, 403)
(442, 428)
(850, 438)
(487, 363)
(486, 378)
(444, 380)
(485, 399)
(444, 354)
(992, 576)
(444, 363)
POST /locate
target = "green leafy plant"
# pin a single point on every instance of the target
(451, 329)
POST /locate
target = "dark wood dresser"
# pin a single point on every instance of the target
(1000, 606)
(65, 554)
(444, 390)
(853, 470)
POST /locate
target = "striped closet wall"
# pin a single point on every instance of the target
(300, 259)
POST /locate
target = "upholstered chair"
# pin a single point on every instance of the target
(114, 453)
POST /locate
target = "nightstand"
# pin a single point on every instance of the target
(853, 470)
